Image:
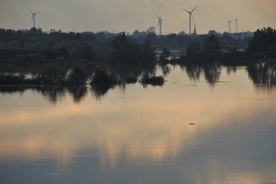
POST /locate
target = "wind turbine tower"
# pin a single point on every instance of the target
(229, 24)
(33, 17)
(190, 17)
(194, 28)
(236, 25)
(194, 25)
(160, 24)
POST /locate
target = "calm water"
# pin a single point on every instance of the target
(188, 131)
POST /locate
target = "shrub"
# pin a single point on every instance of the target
(102, 77)
(154, 80)
(12, 79)
(76, 77)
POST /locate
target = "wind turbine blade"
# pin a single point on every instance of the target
(31, 11)
(194, 8)
(187, 11)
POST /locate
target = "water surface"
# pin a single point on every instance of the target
(192, 130)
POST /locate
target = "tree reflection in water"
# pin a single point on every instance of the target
(78, 92)
(211, 71)
(53, 93)
(263, 74)
(100, 91)
(193, 72)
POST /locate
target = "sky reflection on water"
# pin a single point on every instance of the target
(142, 135)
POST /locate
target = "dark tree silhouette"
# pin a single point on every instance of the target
(165, 54)
(77, 77)
(86, 52)
(150, 34)
(193, 49)
(211, 48)
(120, 40)
(130, 58)
(263, 43)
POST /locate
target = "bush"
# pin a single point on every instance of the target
(102, 81)
(154, 80)
(76, 77)
(102, 77)
(52, 76)
(12, 79)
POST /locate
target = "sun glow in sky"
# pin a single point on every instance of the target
(131, 15)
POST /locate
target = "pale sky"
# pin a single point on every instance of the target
(130, 15)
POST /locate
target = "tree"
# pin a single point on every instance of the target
(119, 40)
(193, 49)
(165, 54)
(263, 43)
(151, 30)
(151, 35)
(148, 52)
(77, 76)
(211, 48)
(125, 51)
(87, 52)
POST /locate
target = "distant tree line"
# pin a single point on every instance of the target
(76, 45)
(47, 45)
(261, 46)
(126, 55)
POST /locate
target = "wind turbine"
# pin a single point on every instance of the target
(194, 24)
(160, 23)
(229, 23)
(33, 17)
(195, 28)
(190, 17)
(236, 25)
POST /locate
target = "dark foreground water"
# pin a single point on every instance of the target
(188, 131)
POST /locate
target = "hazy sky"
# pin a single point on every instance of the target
(130, 15)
